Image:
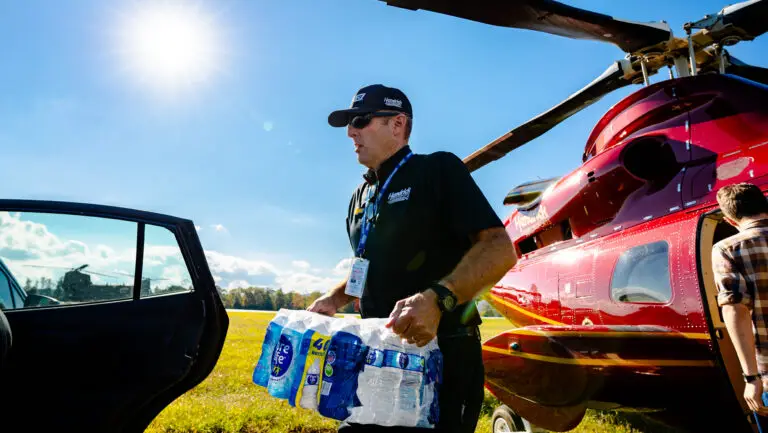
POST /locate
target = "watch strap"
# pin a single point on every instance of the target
(443, 293)
(751, 377)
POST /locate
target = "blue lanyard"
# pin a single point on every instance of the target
(367, 219)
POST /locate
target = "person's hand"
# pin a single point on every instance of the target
(416, 318)
(324, 305)
(753, 393)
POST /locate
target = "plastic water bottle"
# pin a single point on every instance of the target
(314, 347)
(402, 393)
(407, 397)
(430, 410)
(343, 362)
(375, 386)
(263, 367)
(286, 356)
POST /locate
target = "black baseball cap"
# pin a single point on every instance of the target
(369, 99)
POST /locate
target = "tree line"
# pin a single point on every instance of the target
(75, 286)
(260, 298)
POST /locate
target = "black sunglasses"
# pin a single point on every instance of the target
(360, 122)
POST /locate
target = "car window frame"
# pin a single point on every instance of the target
(159, 220)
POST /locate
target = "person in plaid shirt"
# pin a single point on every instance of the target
(740, 265)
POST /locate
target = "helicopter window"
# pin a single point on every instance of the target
(642, 275)
(6, 302)
(164, 270)
(60, 259)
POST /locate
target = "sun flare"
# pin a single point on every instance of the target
(170, 46)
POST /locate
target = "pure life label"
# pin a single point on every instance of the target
(282, 357)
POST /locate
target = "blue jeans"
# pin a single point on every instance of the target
(761, 421)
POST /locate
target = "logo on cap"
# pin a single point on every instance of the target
(393, 102)
(359, 97)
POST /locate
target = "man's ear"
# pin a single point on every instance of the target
(398, 125)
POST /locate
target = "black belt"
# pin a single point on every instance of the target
(461, 331)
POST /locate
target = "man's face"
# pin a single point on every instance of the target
(373, 142)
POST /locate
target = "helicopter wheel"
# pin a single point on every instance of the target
(506, 420)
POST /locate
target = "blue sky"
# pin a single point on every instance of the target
(246, 152)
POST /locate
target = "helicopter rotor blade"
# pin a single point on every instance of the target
(750, 72)
(613, 78)
(550, 17)
(99, 273)
(144, 278)
(743, 21)
(46, 266)
(749, 16)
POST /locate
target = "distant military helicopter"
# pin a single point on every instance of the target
(612, 297)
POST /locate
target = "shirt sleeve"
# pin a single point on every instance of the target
(461, 202)
(350, 215)
(731, 285)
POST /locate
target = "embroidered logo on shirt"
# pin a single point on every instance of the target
(401, 195)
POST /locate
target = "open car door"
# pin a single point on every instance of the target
(113, 314)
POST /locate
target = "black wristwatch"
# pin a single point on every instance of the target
(446, 300)
(751, 377)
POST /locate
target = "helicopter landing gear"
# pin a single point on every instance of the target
(506, 420)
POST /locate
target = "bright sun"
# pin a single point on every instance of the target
(170, 46)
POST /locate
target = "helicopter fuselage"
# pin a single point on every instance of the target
(612, 297)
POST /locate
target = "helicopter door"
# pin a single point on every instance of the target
(113, 312)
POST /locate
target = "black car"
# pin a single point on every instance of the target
(113, 314)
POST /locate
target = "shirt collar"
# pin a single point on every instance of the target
(757, 223)
(373, 176)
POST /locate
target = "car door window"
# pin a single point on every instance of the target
(164, 270)
(61, 259)
(6, 300)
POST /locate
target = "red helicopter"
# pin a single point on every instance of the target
(612, 298)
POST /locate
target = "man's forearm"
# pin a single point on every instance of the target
(339, 297)
(491, 256)
(739, 325)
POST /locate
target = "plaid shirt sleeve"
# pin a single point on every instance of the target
(731, 285)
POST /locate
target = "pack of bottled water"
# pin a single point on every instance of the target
(350, 369)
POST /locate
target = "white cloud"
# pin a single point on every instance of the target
(237, 284)
(226, 264)
(219, 228)
(301, 264)
(342, 268)
(268, 125)
(198, 228)
(305, 283)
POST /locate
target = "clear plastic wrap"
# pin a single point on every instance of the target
(350, 369)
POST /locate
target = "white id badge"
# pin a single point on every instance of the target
(357, 275)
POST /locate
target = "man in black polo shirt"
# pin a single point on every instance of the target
(426, 242)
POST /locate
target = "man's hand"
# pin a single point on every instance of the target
(416, 318)
(324, 305)
(330, 303)
(753, 393)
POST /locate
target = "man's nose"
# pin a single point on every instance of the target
(351, 132)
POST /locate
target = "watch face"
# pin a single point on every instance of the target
(449, 302)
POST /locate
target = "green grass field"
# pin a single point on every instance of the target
(228, 401)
